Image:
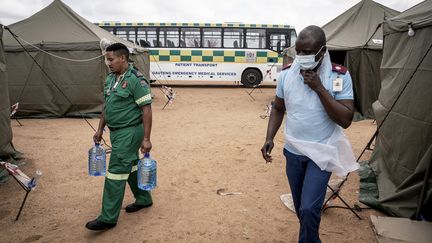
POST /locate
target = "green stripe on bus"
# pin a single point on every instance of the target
(261, 54)
(185, 58)
(132, 24)
(272, 59)
(154, 52)
(218, 53)
(229, 59)
(164, 58)
(239, 53)
(196, 53)
(207, 59)
(175, 52)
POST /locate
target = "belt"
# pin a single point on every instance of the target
(112, 129)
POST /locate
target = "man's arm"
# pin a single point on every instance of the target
(340, 111)
(97, 137)
(147, 122)
(275, 121)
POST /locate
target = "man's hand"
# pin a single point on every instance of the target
(97, 137)
(146, 146)
(266, 150)
(312, 79)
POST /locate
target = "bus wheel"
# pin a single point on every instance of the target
(251, 78)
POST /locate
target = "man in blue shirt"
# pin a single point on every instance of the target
(317, 97)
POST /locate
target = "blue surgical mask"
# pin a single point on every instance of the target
(307, 62)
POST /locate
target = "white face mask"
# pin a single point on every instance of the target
(307, 62)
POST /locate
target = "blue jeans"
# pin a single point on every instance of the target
(308, 187)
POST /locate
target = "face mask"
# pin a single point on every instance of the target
(307, 62)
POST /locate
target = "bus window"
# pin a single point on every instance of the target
(169, 37)
(255, 38)
(111, 30)
(146, 37)
(278, 42)
(127, 34)
(293, 38)
(212, 37)
(190, 37)
(233, 38)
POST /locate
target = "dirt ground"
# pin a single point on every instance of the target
(208, 139)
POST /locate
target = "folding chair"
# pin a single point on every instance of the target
(27, 183)
(336, 189)
(169, 94)
(253, 89)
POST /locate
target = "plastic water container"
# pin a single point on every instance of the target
(97, 161)
(147, 176)
(34, 181)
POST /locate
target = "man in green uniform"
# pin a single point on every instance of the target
(128, 115)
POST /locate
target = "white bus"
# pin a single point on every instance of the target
(249, 53)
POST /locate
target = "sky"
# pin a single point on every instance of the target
(299, 14)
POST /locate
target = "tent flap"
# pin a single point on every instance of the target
(364, 66)
(6, 147)
(403, 150)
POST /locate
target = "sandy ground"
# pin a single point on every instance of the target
(209, 138)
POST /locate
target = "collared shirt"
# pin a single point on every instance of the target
(124, 97)
(306, 118)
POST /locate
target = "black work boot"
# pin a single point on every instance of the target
(99, 225)
(136, 207)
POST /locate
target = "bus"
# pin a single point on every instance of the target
(246, 53)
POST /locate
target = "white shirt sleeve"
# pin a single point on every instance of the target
(280, 85)
(347, 89)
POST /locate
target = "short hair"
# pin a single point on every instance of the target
(314, 32)
(119, 49)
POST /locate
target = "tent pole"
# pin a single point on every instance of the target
(368, 145)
